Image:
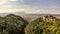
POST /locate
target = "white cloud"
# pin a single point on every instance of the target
(3, 4)
(3, 1)
(22, 0)
(13, 0)
(17, 0)
(31, 11)
(7, 6)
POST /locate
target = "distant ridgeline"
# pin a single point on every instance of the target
(11, 15)
(13, 24)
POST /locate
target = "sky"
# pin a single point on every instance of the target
(30, 6)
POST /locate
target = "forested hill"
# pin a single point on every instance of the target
(44, 25)
(13, 24)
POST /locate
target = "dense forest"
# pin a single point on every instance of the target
(12, 24)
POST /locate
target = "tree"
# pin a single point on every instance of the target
(35, 27)
(16, 24)
(43, 26)
(3, 26)
(12, 25)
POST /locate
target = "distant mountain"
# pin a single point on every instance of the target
(28, 17)
(3, 14)
(25, 14)
(37, 14)
(11, 15)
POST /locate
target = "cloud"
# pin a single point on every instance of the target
(29, 6)
(31, 11)
(30, 3)
(3, 5)
(2, 1)
(13, 0)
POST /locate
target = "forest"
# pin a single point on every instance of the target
(13, 24)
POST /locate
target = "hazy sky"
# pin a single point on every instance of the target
(30, 6)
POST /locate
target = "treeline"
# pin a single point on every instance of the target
(12, 24)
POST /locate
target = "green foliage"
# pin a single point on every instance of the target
(44, 25)
(12, 25)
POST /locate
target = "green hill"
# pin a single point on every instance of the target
(44, 25)
(12, 24)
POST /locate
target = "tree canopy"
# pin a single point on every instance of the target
(12, 25)
(44, 25)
